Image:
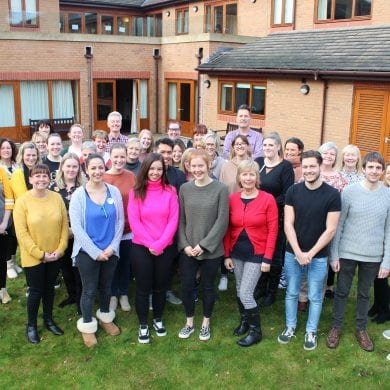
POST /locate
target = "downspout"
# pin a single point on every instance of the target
(156, 56)
(324, 100)
(88, 54)
(199, 56)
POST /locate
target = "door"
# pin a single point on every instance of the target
(105, 102)
(371, 121)
(181, 104)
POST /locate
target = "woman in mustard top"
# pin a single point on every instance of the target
(41, 226)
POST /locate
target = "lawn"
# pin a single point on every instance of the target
(171, 363)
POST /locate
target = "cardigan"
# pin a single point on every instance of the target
(259, 218)
(41, 225)
(154, 220)
(77, 211)
(18, 184)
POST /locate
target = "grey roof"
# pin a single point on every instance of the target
(357, 50)
(122, 3)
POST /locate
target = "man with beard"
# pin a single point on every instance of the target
(311, 214)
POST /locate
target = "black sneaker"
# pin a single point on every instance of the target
(310, 341)
(159, 328)
(286, 335)
(143, 334)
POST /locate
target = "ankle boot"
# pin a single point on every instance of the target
(254, 336)
(274, 276)
(243, 327)
(32, 334)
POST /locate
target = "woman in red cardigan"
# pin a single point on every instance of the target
(249, 245)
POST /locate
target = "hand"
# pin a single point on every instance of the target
(335, 265)
(3, 228)
(383, 273)
(303, 258)
(153, 252)
(48, 257)
(229, 263)
(102, 257)
(197, 251)
(265, 267)
(108, 252)
(188, 251)
(56, 255)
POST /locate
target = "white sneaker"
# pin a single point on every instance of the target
(124, 302)
(113, 303)
(223, 283)
(386, 334)
(11, 272)
(143, 334)
(5, 298)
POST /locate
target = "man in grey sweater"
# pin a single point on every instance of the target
(362, 240)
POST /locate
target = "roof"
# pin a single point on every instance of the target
(122, 3)
(343, 51)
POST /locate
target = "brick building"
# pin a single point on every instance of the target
(155, 60)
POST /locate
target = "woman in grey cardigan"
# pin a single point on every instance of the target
(97, 220)
(204, 215)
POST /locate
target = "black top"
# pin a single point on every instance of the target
(311, 208)
(277, 180)
(53, 168)
(176, 178)
(133, 167)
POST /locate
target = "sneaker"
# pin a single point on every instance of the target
(223, 283)
(186, 332)
(159, 328)
(4, 296)
(172, 298)
(113, 303)
(143, 334)
(310, 341)
(286, 335)
(11, 273)
(386, 334)
(124, 302)
(204, 333)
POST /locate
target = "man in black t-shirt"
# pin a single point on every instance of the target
(311, 215)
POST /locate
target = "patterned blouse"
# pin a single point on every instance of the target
(352, 177)
(336, 180)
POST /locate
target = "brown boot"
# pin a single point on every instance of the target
(364, 340)
(106, 321)
(333, 338)
(88, 330)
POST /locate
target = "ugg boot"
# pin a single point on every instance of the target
(243, 327)
(254, 336)
(4, 296)
(88, 330)
(11, 272)
(106, 322)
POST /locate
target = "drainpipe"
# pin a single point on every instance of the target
(156, 56)
(324, 100)
(88, 54)
(199, 56)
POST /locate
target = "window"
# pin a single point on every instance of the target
(90, 23)
(23, 13)
(74, 23)
(107, 25)
(149, 26)
(234, 94)
(343, 9)
(182, 21)
(123, 23)
(282, 12)
(221, 18)
(7, 109)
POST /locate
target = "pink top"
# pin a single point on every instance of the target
(154, 220)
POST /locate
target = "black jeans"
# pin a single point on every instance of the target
(41, 279)
(367, 273)
(208, 271)
(95, 275)
(121, 279)
(5, 243)
(152, 275)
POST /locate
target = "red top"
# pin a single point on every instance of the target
(259, 218)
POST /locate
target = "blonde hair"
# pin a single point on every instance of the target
(150, 134)
(354, 149)
(23, 147)
(60, 174)
(37, 135)
(248, 165)
(100, 134)
(186, 158)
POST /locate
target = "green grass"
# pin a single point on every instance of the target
(171, 363)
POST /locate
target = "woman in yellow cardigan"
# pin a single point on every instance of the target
(41, 225)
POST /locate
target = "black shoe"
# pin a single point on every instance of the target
(53, 328)
(373, 311)
(66, 302)
(32, 334)
(254, 336)
(268, 300)
(242, 328)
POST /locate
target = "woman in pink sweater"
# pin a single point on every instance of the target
(153, 212)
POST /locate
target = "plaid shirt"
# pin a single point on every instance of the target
(121, 139)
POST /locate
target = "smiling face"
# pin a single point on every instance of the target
(44, 129)
(198, 168)
(133, 152)
(155, 171)
(95, 170)
(373, 171)
(291, 151)
(101, 144)
(118, 158)
(54, 146)
(40, 181)
(5, 151)
(271, 148)
(76, 135)
(248, 179)
(146, 141)
(210, 147)
(70, 169)
(240, 148)
(177, 154)
(329, 157)
(350, 160)
(173, 131)
(30, 157)
(114, 123)
(310, 170)
(243, 118)
(166, 151)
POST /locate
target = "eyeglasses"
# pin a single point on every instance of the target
(176, 129)
(240, 144)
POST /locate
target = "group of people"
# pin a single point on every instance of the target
(116, 208)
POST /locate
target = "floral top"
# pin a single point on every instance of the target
(336, 180)
(352, 177)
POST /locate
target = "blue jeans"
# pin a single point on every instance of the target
(316, 274)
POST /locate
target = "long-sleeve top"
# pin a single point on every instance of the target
(18, 183)
(41, 225)
(204, 216)
(124, 181)
(154, 220)
(255, 140)
(6, 195)
(259, 218)
(228, 176)
(363, 232)
(78, 222)
(216, 166)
